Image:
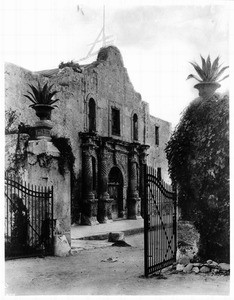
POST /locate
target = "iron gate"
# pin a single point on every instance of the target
(28, 219)
(160, 228)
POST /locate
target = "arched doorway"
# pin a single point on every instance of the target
(115, 190)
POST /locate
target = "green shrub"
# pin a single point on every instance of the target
(198, 156)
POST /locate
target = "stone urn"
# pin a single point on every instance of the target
(44, 126)
(43, 104)
(43, 111)
(207, 89)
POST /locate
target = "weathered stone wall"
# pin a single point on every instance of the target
(157, 156)
(107, 82)
(41, 168)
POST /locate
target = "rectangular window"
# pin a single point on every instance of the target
(115, 121)
(156, 135)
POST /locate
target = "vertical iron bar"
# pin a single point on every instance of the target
(12, 199)
(175, 218)
(152, 218)
(39, 203)
(149, 218)
(33, 187)
(155, 228)
(7, 201)
(29, 211)
(146, 219)
(162, 248)
(42, 207)
(52, 220)
(36, 212)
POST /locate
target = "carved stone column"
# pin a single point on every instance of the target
(89, 212)
(133, 199)
(104, 199)
(143, 164)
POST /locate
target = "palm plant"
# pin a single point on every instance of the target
(208, 72)
(42, 95)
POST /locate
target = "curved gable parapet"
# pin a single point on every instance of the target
(110, 54)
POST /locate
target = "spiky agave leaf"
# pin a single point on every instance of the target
(48, 95)
(31, 99)
(223, 78)
(51, 95)
(204, 68)
(208, 72)
(208, 66)
(41, 94)
(193, 76)
(44, 90)
(215, 64)
(214, 69)
(52, 102)
(33, 96)
(199, 71)
(50, 87)
(220, 72)
(35, 92)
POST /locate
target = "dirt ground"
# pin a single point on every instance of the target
(89, 272)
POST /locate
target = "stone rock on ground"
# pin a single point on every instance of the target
(212, 264)
(61, 246)
(179, 267)
(116, 236)
(224, 266)
(215, 271)
(197, 264)
(195, 270)
(209, 261)
(188, 268)
(204, 269)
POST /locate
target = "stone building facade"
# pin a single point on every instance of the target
(108, 128)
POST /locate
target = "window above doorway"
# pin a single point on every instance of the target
(115, 121)
(135, 127)
(156, 135)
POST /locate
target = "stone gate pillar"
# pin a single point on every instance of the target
(143, 164)
(104, 199)
(89, 211)
(133, 199)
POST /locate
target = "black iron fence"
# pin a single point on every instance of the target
(28, 219)
(160, 228)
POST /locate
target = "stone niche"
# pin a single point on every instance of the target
(112, 179)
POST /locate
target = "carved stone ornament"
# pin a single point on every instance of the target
(143, 153)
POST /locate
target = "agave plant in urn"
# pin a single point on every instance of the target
(209, 76)
(43, 104)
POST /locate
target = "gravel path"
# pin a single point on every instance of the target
(104, 271)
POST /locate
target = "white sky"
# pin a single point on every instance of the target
(156, 41)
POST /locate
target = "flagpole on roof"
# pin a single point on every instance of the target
(103, 36)
(100, 38)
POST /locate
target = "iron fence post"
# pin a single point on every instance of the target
(146, 222)
(52, 218)
(175, 216)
